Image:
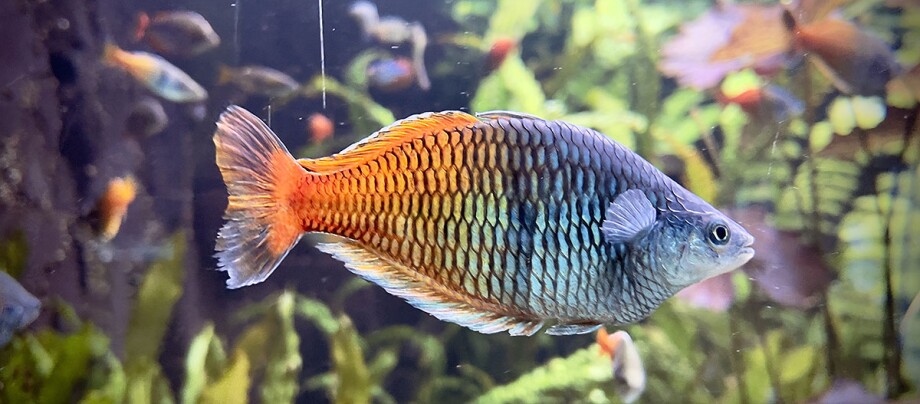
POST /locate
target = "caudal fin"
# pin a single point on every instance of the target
(261, 178)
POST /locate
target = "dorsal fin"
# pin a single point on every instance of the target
(493, 115)
(413, 127)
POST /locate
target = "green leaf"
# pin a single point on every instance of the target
(353, 378)
(158, 294)
(14, 250)
(233, 386)
(821, 135)
(366, 115)
(512, 19)
(317, 312)
(797, 364)
(196, 372)
(841, 116)
(869, 112)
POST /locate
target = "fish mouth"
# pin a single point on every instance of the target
(746, 252)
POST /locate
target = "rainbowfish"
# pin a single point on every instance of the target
(856, 61)
(184, 33)
(390, 30)
(113, 206)
(160, 76)
(390, 74)
(18, 307)
(259, 80)
(628, 372)
(496, 222)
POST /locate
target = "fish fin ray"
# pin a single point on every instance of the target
(419, 292)
(413, 127)
(499, 114)
(627, 216)
(573, 328)
(260, 174)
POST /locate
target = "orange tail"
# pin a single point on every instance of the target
(264, 182)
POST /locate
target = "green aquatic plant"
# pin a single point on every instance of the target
(352, 379)
(365, 114)
(48, 366)
(559, 380)
(14, 249)
(158, 294)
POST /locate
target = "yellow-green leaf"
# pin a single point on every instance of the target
(233, 386)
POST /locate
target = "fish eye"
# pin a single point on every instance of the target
(719, 234)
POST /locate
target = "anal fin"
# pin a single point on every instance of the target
(426, 294)
(572, 329)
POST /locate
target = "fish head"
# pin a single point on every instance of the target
(698, 244)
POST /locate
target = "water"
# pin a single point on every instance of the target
(814, 152)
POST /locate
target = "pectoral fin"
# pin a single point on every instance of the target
(627, 216)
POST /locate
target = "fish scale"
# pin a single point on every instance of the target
(536, 275)
(497, 223)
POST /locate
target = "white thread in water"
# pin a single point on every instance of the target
(322, 52)
(236, 30)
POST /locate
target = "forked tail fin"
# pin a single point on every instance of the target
(263, 180)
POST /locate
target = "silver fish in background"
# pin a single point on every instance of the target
(18, 307)
(147, 118)
(184, 33)
(628, 372)
(258, 80)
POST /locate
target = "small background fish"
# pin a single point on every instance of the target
(18, 307)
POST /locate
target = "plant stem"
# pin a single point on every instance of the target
(736, 358)
(893, 355)
(646, 86)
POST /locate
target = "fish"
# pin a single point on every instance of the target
(320, 127)
(854, 60)
(390, 30)
(628, 372)
(497, 222)
(768, 102)
(18, 307)
(159, 76)
(113, 206)
(498, 53)
(259, 80)
(184, 33)
(147, 118)
(391, 74)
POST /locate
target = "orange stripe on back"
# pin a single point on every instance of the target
(405, 130)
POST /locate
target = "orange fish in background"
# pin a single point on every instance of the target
(769, 102)
(498, 53)
(320, 127)
(158, 75)
(856, 61)
(628, 372)
(113, 206)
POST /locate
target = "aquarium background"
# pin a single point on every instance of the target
(827, 311)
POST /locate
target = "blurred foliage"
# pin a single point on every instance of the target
(14, 249)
